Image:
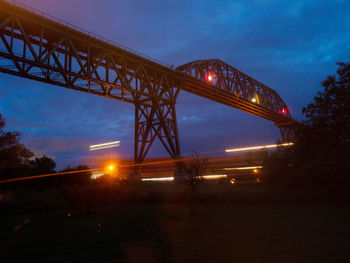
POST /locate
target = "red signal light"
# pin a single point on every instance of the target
(283, 111)
(210, 77)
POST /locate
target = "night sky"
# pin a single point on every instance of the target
(291, 46)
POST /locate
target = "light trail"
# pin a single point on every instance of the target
(259, 147)
(163, 179)
(243, 168)
(214, 176)
(155, 162)
(168, 179)
(43, 175)
(104, 145)
(96, 174)
(82, 171)
(99, 170)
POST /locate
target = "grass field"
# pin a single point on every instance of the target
(166, 232)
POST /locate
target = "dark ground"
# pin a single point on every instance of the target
(164, 231)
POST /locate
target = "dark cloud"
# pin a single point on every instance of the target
(290, 46)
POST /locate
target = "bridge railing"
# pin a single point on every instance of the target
(80, 29)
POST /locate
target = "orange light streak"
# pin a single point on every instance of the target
(43, 175)
(259, 147)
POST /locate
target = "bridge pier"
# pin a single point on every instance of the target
(287, 130)
(156, 121)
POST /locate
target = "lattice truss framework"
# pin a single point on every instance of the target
(49, 55)
(41, 49)
(243, 87)
(237, 83)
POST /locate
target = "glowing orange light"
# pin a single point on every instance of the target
(254, 100)
(255, 171)
(233, 181)
(210, 77)
(111, 169)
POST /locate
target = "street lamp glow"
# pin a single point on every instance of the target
(111, 169)
(259, 147)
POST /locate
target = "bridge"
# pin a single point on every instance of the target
(40, 47)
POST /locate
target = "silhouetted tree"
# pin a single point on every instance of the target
(328, 129)
(76, 178)
(192, 174)
(42, 165)
(13, 154)
(322, 148)
(329, 114)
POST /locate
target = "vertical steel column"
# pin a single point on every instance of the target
(144, 131)
(287, 133)
(155, 121)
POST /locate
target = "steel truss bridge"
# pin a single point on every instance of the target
(36, 46)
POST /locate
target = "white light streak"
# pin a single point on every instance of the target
(96, 174)
(168, 179)
(158, 179)
(104, 145)
(213, 176)
(259, 147)
(243, 168)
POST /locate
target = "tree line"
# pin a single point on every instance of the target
(321, 154)
(16, 160)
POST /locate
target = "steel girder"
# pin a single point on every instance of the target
(227, 85)
(34, 47)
